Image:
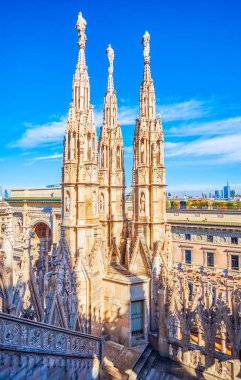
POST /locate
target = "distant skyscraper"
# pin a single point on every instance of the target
(226, 191)
(232, 193)
(217, 194)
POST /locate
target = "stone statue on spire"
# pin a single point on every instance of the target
(111, 55)
(146, 45)
(80, 26)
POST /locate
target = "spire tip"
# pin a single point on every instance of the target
(146, 45)
(111, 55)
(80, 26)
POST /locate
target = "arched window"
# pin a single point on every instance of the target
(118, 158)
(143, 152)
(93, 148)
(42, 233)
(75, 146)
(190, 289)
(102, 158)
(69, 146)
(158, 152)
(88, 147)
(67, 201)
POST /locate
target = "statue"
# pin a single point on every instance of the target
(142, 203)
(101, 202)
(111, 55)
(142, 153)
(146, 44)
(80, 26)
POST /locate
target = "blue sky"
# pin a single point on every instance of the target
(196, 66)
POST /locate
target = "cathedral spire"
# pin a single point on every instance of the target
(110, 101)
(81, 87)
(111, 167)
(147, 91)
(80, 26)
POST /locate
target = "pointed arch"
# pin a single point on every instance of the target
(56, 315)
(140, 261)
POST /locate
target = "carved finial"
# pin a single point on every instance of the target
(80, 26)
(111, 55)
(146, 46)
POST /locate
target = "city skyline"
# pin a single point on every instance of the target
(199, 99)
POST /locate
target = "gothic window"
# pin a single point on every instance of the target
(137, 317)
(142, 203)
(42, 233)
(103, 156)
(190, 290)
(102, 202)
(88, 147)
(67, 202)
(158, 152)
(69, 147)
(118, 158)
(93, 148)
(74, 146)
(143, 155)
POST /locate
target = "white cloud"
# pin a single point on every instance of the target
(53, 132)
(222, 148)
(188, 110)
(52, 157)
(216, 127)
(42, 134)
(128, 151)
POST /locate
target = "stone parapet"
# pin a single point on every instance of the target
(27, 346)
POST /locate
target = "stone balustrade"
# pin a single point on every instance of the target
(30, 350)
